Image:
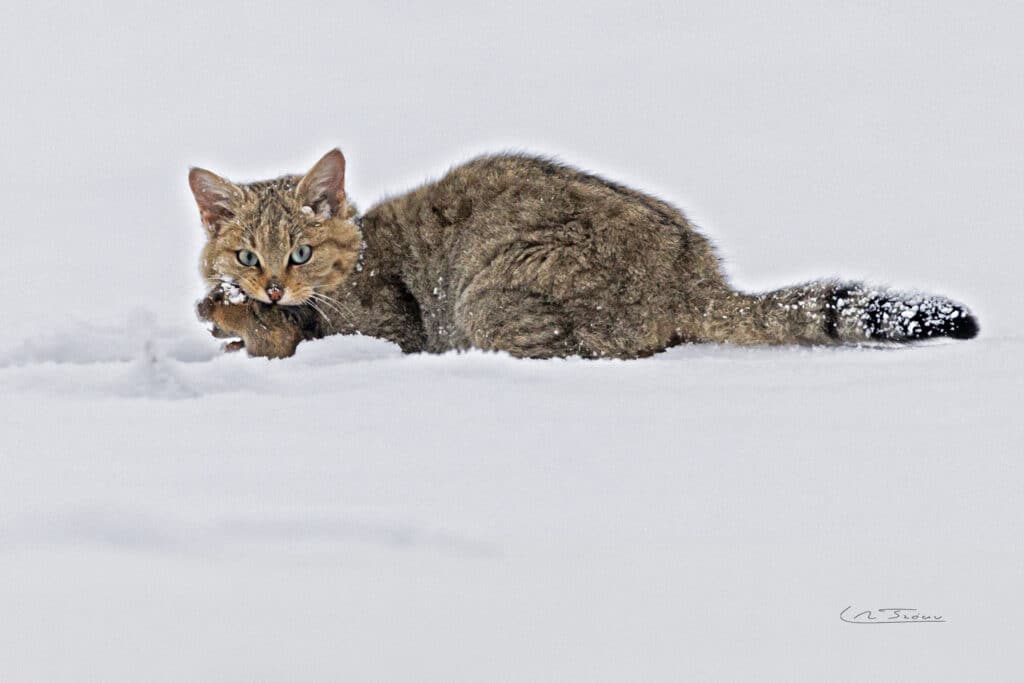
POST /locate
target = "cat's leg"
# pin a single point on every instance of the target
(518, 322)
(266, 331)
(828, 312)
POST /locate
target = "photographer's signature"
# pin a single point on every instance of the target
(889, 615)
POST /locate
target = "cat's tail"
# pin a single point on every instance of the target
(832, 312)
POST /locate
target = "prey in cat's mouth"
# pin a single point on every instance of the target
(245, 322)
(229, 293)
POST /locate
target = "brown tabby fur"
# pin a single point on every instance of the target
(511, 253)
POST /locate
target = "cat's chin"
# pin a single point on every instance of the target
(282, 304)
(279, 305)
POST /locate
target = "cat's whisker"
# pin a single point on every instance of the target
(343, 309)
(327, 302)
(339, 307)
(320, 305)
(318, 310)
(336, 302)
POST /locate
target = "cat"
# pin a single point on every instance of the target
(511, 253)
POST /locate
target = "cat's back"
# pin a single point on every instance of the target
(533, 223)
(511, 194)
(537, 185)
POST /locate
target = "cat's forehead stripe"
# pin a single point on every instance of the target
(273, 204)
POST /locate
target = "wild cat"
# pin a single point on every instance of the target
(511, 253)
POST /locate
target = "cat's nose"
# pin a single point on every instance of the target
(275, 292)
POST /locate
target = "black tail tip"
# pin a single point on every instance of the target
(963, 327)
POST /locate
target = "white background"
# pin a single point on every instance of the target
(169, 514)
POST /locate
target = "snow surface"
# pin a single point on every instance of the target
(172, 513)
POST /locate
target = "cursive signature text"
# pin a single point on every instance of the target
(889, 615)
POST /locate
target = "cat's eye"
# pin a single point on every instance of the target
(301, 254)
(247, 258)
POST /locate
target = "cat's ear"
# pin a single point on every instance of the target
(215, 196)
(323, 188)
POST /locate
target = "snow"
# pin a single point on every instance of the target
(169, 512)
(233, 294)
(353, 512)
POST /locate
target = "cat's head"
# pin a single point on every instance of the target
(281, 241)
